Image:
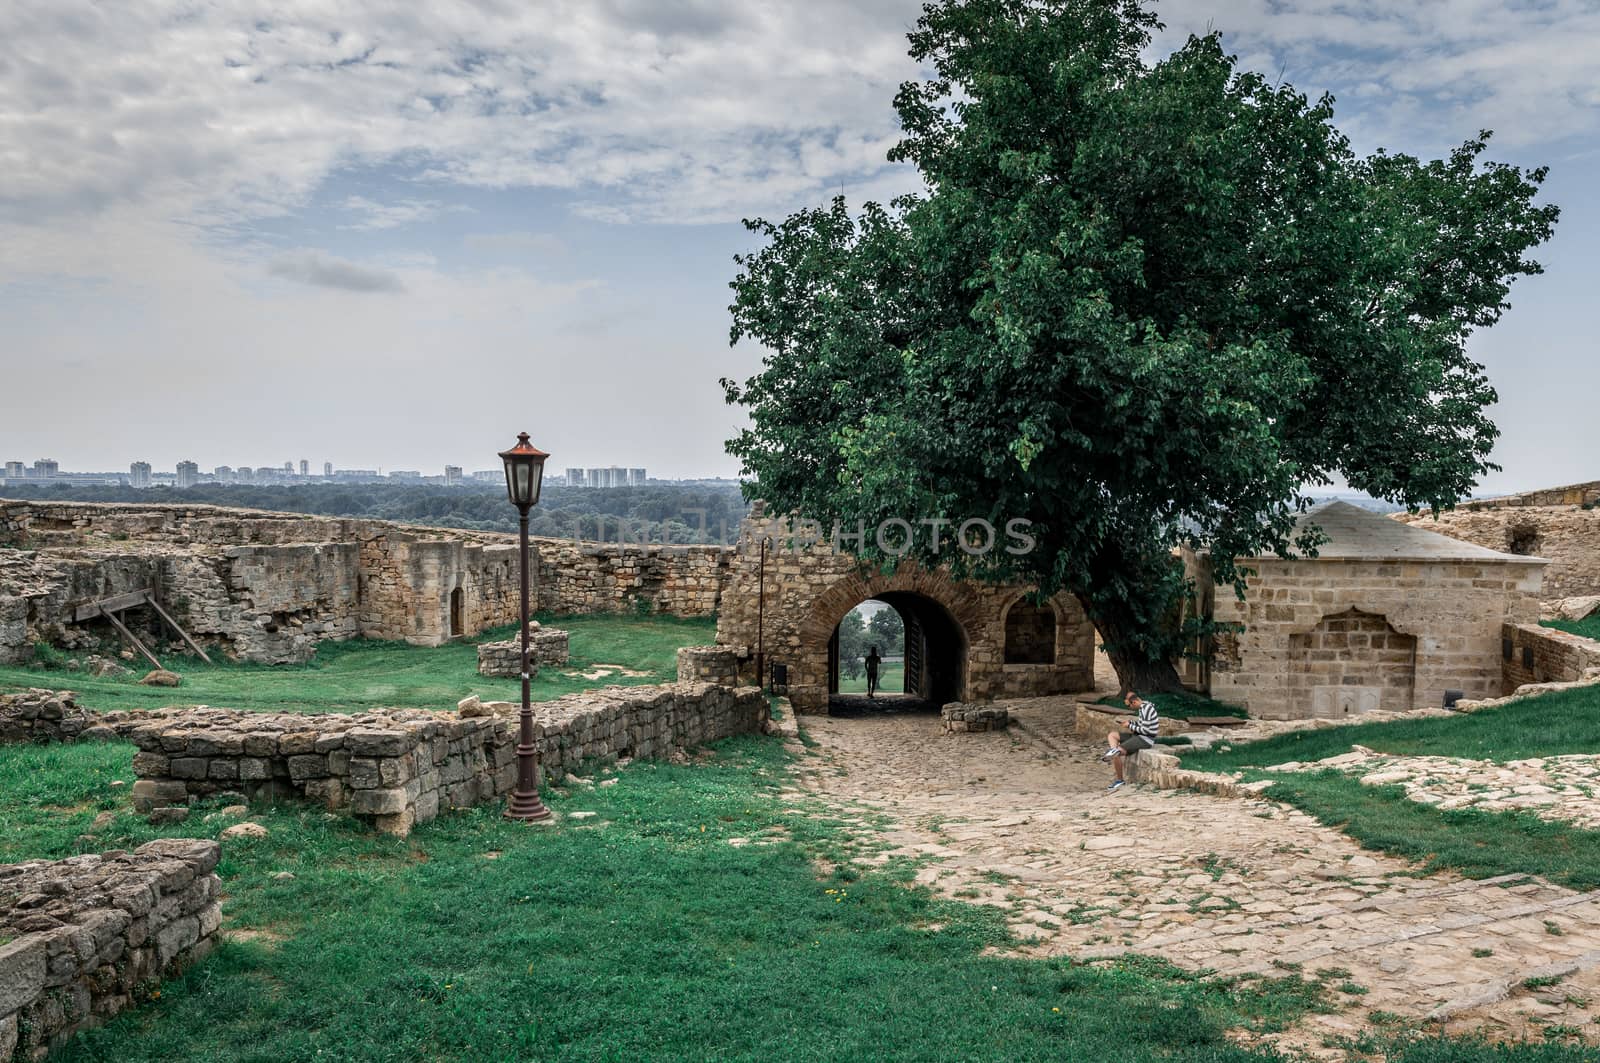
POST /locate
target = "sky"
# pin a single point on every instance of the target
(394, 235)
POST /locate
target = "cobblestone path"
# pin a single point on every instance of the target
(1020, 819)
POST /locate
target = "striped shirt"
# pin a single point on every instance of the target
(1148, 725)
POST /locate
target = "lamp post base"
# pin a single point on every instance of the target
(526, 807)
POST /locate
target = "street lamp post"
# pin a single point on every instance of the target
(524, 472)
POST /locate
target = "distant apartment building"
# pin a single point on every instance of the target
(223, 474)
(305, 467)
(452, 475)
(405, 474)
(188, 474)
(492, 476)
(46, 468)
(636, 477)
(15, 470)
(139, 474)
(327, 470)
(245, 474)
(575, 478)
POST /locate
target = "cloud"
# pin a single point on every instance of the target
(396, 214)
(531, 243)
(322, 270)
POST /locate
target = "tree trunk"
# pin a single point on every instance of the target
(1125, 644)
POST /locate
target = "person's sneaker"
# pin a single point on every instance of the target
(1108, 754)
(1116, 785)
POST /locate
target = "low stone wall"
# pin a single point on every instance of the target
(400, 768)
(961, 718)
(547, 647)
(1096, 721)
(40, 716)
(708, 664)
(1534, 654)
(587, 577)
(79, 937)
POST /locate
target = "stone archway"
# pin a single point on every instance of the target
(935, 648)
(1349, 663)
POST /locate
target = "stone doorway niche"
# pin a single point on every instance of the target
(1030, 633)
(457, 611)
(935, 652)
(1351, 662)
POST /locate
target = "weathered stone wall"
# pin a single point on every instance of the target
(708, 664)
(1566, 534)
(579, 577)
(1534, 654)
(547, 648)
(79, 937)
(1284, 664)
(400, 768)
(808, 591)
(269, 587)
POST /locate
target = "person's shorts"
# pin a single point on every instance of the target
(1132, 743)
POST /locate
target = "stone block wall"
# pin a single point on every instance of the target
(1283, 663)
(547, 648)
(1566, 535)
(708, 664)
(396, 769)
(807, 591)
(1534, 654)
(80, 937)
(581, 577)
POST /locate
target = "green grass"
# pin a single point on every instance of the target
(1567, 721)
(1182, 704)
(891, 680)
(1588, 627)
(361, 675)
(636, 934)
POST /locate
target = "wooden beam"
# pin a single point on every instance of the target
(114, 604)
(132, 638)
(162, 613)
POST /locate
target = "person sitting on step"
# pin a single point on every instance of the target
(1139, 732)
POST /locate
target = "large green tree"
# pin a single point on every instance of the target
(1140, 304)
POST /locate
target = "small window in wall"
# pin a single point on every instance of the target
(457, 601)
(1030, 634)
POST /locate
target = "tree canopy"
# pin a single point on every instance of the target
(1140, 304)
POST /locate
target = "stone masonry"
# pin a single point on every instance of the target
(708, 664)
(547, 648)
(1381, 619)
(1552, 524)
(81, 938)
(1535, 654)
(399, 768)
(807, 591)
(270, 586)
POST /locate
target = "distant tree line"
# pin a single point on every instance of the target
(657, 514)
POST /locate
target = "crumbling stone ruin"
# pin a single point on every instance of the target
(81, 937)
(547, 648)
(269, 587)
(395, 768)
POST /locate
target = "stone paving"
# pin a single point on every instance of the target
(1020, 819)
(1555, 788)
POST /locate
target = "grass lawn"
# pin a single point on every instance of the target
(360, 675)
(1478, 843)
(637, 934)
(891, 680)
(1588, 627)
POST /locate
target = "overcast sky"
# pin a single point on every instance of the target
(396, 234)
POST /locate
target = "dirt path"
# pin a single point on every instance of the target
(1020, 819)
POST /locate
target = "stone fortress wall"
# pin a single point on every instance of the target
(977, 641)
(1553, 524)
(269, 586)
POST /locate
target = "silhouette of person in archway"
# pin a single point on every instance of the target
(873, 660)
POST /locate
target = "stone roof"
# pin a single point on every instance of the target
(1356, 534)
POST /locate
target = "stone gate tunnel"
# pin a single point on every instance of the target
(966, 640)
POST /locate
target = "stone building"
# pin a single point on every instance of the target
(965, 641)
(1386, 616)
(1560, 524)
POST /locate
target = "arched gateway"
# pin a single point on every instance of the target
(786, 604)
